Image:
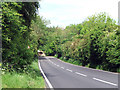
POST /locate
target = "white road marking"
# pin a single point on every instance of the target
(62, 67)
(86, 67)
(51, 62)
(84, 74)
(58, 65)
(54, 64)
(69, 70)
(105, 81)
(48, 82)
(81, 74)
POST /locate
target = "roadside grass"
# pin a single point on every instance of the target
(118, 70)
(31, 78)
(0, 80)
(0, 77)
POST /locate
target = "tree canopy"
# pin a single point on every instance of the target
(93, 43)
(16, 21)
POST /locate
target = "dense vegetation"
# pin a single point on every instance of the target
(93, 43)
(19, 58)
(16, 21)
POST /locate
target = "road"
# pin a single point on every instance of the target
(64, 75)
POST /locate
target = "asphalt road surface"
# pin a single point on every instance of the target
(64, 75)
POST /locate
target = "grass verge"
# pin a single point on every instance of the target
(31, 78)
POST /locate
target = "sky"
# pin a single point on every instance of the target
(65, 12)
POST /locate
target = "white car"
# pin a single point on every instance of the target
(41, 53)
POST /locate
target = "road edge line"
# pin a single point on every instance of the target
(48, 82)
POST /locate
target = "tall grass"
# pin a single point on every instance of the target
(31, 78)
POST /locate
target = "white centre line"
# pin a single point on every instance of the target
(105, 81)
(62, 67)
(52, 62)
(58, 65)
(81, 74)
(69, 70)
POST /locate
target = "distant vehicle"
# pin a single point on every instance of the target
(41, 53)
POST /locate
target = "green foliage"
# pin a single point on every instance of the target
(94, 43)
(16, 19)
(38, 36)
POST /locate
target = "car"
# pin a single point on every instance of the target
(41, 53)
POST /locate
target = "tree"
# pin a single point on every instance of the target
(15, 34)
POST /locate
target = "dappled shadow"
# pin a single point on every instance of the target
(42, 58)
(53, 58)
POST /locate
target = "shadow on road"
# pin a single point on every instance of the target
(42, 58)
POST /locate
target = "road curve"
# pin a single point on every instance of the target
(65, 75)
